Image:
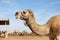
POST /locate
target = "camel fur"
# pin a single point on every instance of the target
(51, 28)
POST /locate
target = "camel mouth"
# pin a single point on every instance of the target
(22, 18)
(16, 16)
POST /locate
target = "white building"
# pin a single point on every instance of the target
(4, 21)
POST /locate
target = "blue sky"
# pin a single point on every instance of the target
(43, 11)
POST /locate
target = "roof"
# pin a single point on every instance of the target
(4, 19)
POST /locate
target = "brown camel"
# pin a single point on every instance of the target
(6, 33)
(51, 28)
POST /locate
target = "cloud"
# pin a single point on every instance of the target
(54, 2)
(6, 1)
(9, 3)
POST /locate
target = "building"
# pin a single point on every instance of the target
(4, 21)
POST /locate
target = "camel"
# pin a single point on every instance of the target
(51, 28)
(1, 34)
(6, 33)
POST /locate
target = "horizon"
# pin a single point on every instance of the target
(43, 10)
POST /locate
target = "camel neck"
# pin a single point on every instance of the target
(30, 21)
(32, 25)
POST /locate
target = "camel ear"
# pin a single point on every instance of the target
(30, 11)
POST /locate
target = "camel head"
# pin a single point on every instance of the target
(24, 15)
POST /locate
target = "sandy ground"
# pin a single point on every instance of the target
(25, 38)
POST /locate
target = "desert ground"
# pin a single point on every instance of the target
(25, 38)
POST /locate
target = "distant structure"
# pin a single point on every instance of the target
(4, 21)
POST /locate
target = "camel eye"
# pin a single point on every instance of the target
(24, 12)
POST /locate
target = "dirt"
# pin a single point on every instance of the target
(25, 38)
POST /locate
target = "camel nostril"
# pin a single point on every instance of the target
(16, 13)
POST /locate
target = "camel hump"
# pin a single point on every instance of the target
(54, 17)
(54, 20)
